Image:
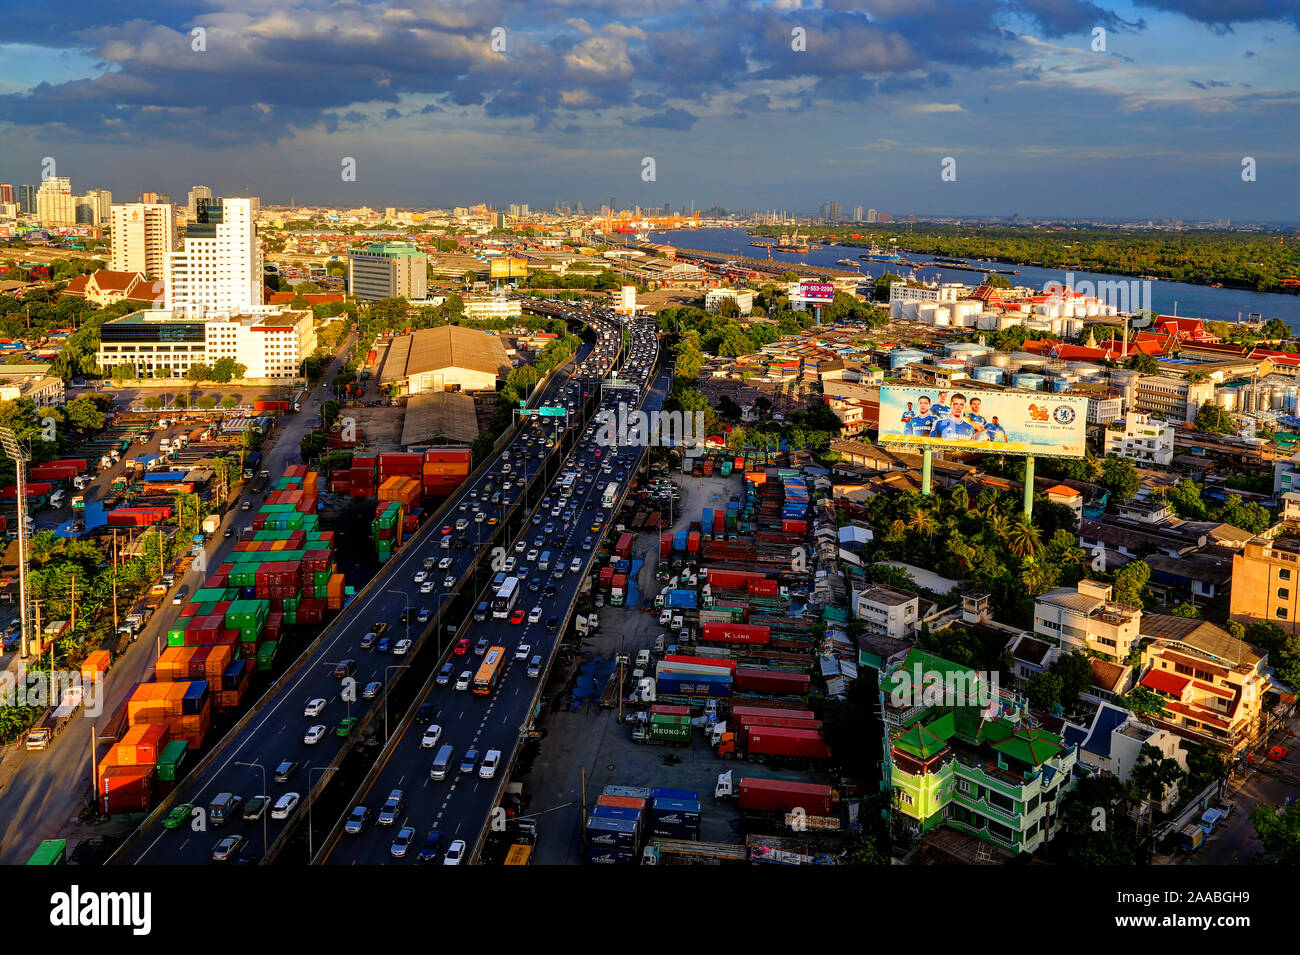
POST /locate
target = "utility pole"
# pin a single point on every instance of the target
(115, 580)
(72, 602)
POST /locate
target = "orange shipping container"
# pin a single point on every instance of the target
(95, 664)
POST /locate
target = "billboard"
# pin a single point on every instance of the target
(506, 268)
(959, 417)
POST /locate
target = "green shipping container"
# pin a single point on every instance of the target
(670, 729)
(169, 761)
(266, 654)
(50, 852)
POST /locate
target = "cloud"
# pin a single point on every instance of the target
(678, 119)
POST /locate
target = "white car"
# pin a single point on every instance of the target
(535, 614)
(490, 761)
(426, 587)
(532, 555)
(314, 734)
(421, 576)
(462, 681)
(575, 565)
(400, 647)
(444, 563)
(314, 707)
(431, 736)
(522, 651)
(284, 805)
(454, 853)
(449, 581)
(520, 546)
(480, 517)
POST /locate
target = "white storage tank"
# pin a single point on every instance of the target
(990, 375)
(1029, 382)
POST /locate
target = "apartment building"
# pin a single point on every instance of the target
(1086, 618)
(744, 299)
(938, 292)
(388, 270)
(55, 204)
(1211, 683)
(143, 236)
(970, 760)
(1266, 579)
(493, 307)
(1286, 474)
(31, 381)
(1176, 399)
(1112, 746)
(1145, 439)
(219, 267)
(886, 611)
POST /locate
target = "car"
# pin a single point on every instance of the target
(1277, 753)
(490, 761)
(444, 675)
(522, 651)
(446, 529)
(228, 849)
(520, 546)
(424, 615)
(538, 541)
(481, 647)
(575, 565)
(284, 772)
(444, 563)
(426, 587)
(518, 616)
(491, 521)
(535, 584)
(558, 573)
(383, 645)
(479, 517)
(535, 614)
(379, 627)
(254, 808)
(535, 666)
(392, 808)
(549, 528)
(462, 681)
(400, 647)
(405, 836)
(532, 555)
(462, 647)
(469, 761)
(346, 726)
(230, 532)
(285, 805)
(549, 591)
(455, 852)
(344, 668)
(552, 623)
(432, 734)
(371, 690)
(586, 543)
(178, 816)
(246, 506)
(449, 582)
(314, 734)
(356, 820)
(429, 562)
(595, 528)
(431, 848)
(421, 576)
(368, 641)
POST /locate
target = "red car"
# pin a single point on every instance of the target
(462, 647)
(446, 529)
(517, 617)
(1277, 753)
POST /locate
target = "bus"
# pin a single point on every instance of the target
(566, 482)
(610, 495)
(505, 598)
(519, 855)
(485, 680)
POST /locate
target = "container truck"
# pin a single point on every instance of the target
(39, 737)
(661, 729)
(774, 744)
(782, 803)
(210, 524)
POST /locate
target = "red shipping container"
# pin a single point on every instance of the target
(743, 712)
(733, 579)
(621, 802)
(763, 588)
(749, 633)
(791, 526)
(665, 709)
(778, 795)
(729, 665)
(772, 681)
(782, 741)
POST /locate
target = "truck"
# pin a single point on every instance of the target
(781, 802)
(133, 622)
(258, 484)
(661, 729)
(210, 524)
(588, 624)
(39, 737)
(774, 744)
(251, 464)
(1190, 837)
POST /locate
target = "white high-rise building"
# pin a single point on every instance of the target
(220, 265)
(143, 236)
(55, 204)
(196, 193)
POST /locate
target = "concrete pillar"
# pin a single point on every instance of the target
(1029, 487)
(927, 457)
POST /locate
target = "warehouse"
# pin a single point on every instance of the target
(449, 358)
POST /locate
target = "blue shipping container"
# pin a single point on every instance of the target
(604, 856)
(612, 833)
(618, 812)
(694, 684)
(681, 598)
(663, 792)
(631, 792)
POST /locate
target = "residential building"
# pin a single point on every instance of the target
(886, 611)
(94, 207)
(31, 381)
(271, 343)
(142, 238)
(7, 194)
(1266, 580)
(106, 287)
(1212, 684)
(1112, 746)
(493, 307)
(449, 358)
(55, 204)
(1176, 399)
(1067, 497)
(744, 299)
(1286, 474)
(1085, 617)
(219, 267)
(962, 753)
(388, 270)
(1145, 439)
(196, 193)
(1103, 410)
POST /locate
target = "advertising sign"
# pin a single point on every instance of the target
(958, 417)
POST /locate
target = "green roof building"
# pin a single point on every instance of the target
(958, 752)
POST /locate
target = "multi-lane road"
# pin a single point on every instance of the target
(457, 807)
(274, 731)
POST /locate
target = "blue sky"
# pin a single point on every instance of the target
(1038, 122)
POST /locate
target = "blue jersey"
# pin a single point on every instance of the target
(976, 419)
(953, 429)
(939, 410)
(908, 415)
(920, 424)
(993, 430)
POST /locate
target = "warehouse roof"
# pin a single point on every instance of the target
(430, 349)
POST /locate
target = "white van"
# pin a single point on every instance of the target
(441, 763)
(545, 562)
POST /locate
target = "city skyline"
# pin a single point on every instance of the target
(754, 106)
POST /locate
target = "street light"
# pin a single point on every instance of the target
(311, 802)
(266, 810)
(9, 441)
(406, 613)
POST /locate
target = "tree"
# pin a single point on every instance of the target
(84, 413)
(1142, 702)
(1191, 611)
(206, 402)
(180, 400)
(1074, 669)
(993, 280)
(199, 372)
(1248, 515)
(1044, 691)
(1023, 539)
(1094, 829)
(153, 402)
(122, 373)
(1144, 363)
(1129, 582)
(1214, 420)
(1185, 501)
(1120, 477)
(1279, 831)
(229, 401)
(1153, 773)
(227, 369)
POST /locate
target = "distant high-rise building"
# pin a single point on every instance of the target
(390, 213)
(143, 237)
(857, 213)
(388, 270)
(100, 205)
(55, 205)
(220, 264)
(833, 211)
(873, 216)
(27, 199)
(7, 193)
(196, 193)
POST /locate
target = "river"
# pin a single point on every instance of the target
(1165, 298)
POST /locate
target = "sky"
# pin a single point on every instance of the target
(1144, 109)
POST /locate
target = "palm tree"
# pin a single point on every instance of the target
(996, 524)
(960, 498)
(921, 522)
(1023, 539)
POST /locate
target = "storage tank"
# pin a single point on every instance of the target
(901, 357)
(999, 360)
(942, 315)
(968, 350)
(1030, 382)
(1289, 403)
(989, 375)
(1063, 383)
(1227, 398)
(1083, 369)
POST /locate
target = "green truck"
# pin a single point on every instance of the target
(661, 729)
(50, 852)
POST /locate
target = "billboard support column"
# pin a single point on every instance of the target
(927, 457)
(1029, 487)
